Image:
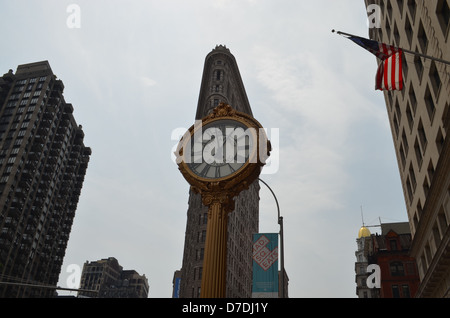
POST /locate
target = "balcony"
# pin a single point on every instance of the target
(58, 87)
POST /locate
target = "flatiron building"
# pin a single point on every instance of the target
(221, 82)
(419, 117)
(43, 162)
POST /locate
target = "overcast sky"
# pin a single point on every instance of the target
(132, 70)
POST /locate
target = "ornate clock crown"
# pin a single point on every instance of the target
(223, 110)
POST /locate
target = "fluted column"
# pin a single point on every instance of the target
(215, 257)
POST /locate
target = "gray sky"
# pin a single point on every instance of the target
(132, 71)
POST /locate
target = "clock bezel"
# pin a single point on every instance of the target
(248, 171)
(253, 152)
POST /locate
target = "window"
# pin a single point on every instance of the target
(412, 176)
(413, 99)
(362, 270)
(203, 236)
(405, 142)
(405, 291)
(409, 31)
(402, 156)
(400, 6)
(396, 124)
(396, 35)
(435, 79)
(395, 291)
(439, 141)
(422, 37)
(409, 188)
(442, 220)
(429, 103)
(397, 110)
(418, 152)
(412, 8)
(396, 269)
(422, 136)
(18, 89)
(428, 254)
(436, 235)
(426, 186)
(409, 116)
(389, 10)
(419, 66)
(443, 14)
(430, 170)
(416, 221)
(411, 268)
(405, 69)
(393, 244)
(445, 115)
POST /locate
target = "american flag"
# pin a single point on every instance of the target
(389, 74)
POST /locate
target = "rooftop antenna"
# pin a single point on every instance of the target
(362, 216)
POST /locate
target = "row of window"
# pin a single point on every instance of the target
(31, 80)
(396, 268)
(442, 14)
(405, 292)
(440, 226)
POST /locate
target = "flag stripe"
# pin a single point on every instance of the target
(394, 72)
(400, 70)
(387, 71)
(389, 74)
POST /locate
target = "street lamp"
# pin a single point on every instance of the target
(280, 222)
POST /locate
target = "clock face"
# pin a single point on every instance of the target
(220, 148)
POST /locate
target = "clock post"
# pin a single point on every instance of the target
(215, 255)
(220, 179)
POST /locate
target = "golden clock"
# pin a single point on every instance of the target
(226, 149)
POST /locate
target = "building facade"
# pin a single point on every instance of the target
(221, 82)
(390, 252)
(107, 279)
(43, 163)
(398, 270)
(364, 243)
(420, 121)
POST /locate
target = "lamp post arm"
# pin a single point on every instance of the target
(278, 206)
(280, 222)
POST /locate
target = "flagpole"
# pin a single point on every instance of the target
(404, 50)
